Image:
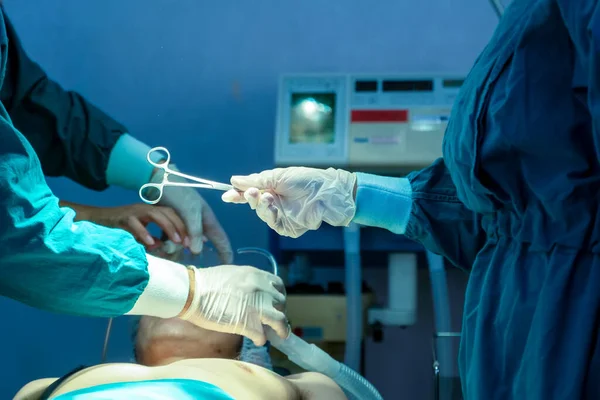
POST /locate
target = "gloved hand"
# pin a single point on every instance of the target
(198, 216)
(239, 300)
(295, 200)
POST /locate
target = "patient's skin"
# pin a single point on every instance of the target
(162, 341)
(240, 380)
(171, 346)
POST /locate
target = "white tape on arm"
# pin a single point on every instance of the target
(167, 290)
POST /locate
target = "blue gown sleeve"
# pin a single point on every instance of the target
(423, 206)
(582, 19)
(47, 260)
(71, 136)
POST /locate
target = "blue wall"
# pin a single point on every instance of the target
(200, 78)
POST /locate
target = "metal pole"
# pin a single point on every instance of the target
(106, 337)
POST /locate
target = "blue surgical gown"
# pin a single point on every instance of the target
(516, 201)
(47, 260)
(71, 136)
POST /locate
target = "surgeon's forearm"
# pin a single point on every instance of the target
(79, 268)
(383, 202)
(82, 212)
(168, 283)
(167, 291)
(128, 166)
(97, 215)
(70, 135)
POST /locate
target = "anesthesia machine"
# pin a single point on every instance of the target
(385, 124)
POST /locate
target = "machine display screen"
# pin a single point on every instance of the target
(312, 118)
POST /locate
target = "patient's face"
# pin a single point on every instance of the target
(162, 341)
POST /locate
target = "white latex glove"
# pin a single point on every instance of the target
(199, 218)
(295, 200)
(239, 300)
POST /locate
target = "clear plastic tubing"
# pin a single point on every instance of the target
(312, 358)
(264, 253)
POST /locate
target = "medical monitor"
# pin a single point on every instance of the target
(377, 122)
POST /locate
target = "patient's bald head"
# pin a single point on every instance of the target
(162, 341)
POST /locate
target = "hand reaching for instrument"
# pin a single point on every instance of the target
(135, 219)
(295, 200)
(200, 220)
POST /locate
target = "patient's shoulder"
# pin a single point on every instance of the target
(313, 385)
(34, 389)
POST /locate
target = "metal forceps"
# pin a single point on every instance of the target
(164, 165)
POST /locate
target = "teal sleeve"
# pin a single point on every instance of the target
(49, 261)
(383, 202)
(423, 206)
(128, 165)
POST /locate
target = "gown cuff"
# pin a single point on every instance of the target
(128, 166)
(167, 291)
(383, 202)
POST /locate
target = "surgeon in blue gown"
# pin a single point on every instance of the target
(50, 261)
(75, 139)
(515, 200)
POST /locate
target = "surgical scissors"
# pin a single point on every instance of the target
(164, 165)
